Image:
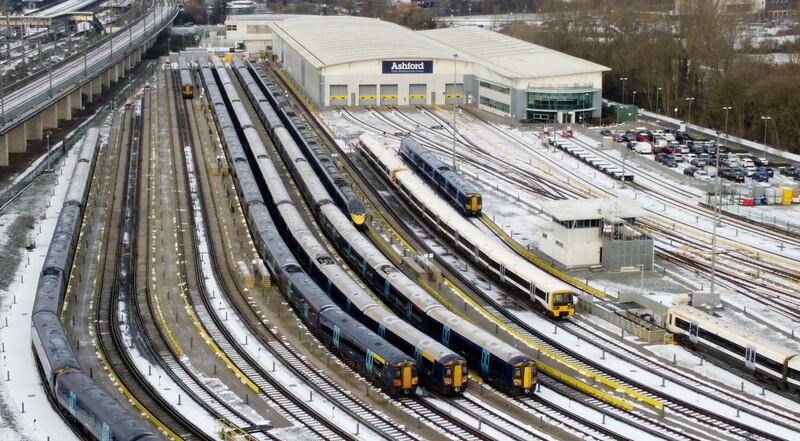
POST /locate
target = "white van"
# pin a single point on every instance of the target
(644, 148)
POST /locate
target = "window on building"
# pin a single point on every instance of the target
(503, 107)
(560, 100)
(559, 243)
(230, 27)
(495, 87)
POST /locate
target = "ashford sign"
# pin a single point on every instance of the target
(405, 67)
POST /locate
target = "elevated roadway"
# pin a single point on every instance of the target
(31, 107)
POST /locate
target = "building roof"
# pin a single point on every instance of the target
(509, 56)
(330, 40)
(260, 17)
(583, 209)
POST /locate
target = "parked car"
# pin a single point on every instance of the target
(761, 162)
(702, 175)
(671, 148)
(685, 149)
(760, 176)
(678, 157)
(788, 171)
(747, 162)
(670, 162)
(689, 157)
(768, 170)
(681, 136)
(690, 171)
(660, 157)
(644, 148)
(631, 145)
(701, 160)
(606, 132)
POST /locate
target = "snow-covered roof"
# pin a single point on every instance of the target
(331, 40)
(583, 209)
(260, 17)
(509, 56)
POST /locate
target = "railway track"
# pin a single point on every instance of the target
(115, 291)
(276, 345)
(704, 418)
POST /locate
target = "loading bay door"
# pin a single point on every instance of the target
(367, 95)
(338, 94)
(389, 94)
(417, 94)
(454, 94)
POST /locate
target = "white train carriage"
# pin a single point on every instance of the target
(552, 295)
(743, 348)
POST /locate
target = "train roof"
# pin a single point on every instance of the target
(463, 185)
(446, 213)
(734, 333)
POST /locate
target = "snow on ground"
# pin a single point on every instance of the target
(22, 385)
(272, 366)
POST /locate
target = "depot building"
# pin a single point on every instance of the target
(357, 61)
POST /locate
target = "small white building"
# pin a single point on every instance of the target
(253, 30)
(574, 237)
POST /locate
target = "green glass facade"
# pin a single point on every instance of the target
(553, 101)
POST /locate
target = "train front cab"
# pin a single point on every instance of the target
(473, 204)
(562, 304)
(404, 378)
(524, 376)
(188, 91)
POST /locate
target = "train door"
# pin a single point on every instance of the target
(750, 357)
(694, 332)
(338, 94)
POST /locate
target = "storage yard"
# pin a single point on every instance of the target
(325, 243)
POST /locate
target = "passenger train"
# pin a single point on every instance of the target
(515, 273)
(187, 84)
(463, 195)
(395, 371)
(91, 409)
(764, 358)
(499, 363)
(440, 369)
(343, 194)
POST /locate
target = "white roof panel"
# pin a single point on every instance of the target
(331, 40)
(509, 56)
(583, 209)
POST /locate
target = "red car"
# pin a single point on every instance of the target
(643, 137)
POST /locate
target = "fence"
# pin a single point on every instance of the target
(628, 322)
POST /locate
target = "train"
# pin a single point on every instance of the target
(187, 83)
(751, 352)
(343, 194)
(440, 369)
(499, 364)
(92, 411)
(383, 363)
(459, 192)
(516, 274)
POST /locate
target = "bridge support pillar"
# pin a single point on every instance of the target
(86, 90)
(4, 151)
(76, 100)
(106, 79)
(50, 118)
(64, 108)
(34, 127)
(17, 140)
(96, 87)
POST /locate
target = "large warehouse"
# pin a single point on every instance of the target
(356, 61)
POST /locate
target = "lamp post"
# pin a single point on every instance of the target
(455, 63)
(766, 119)
(658, 107)
(623, 79)
(690, 100)
(717, 210)
(633, 103)
(49, 163)
(726, 109)
(50, 75)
